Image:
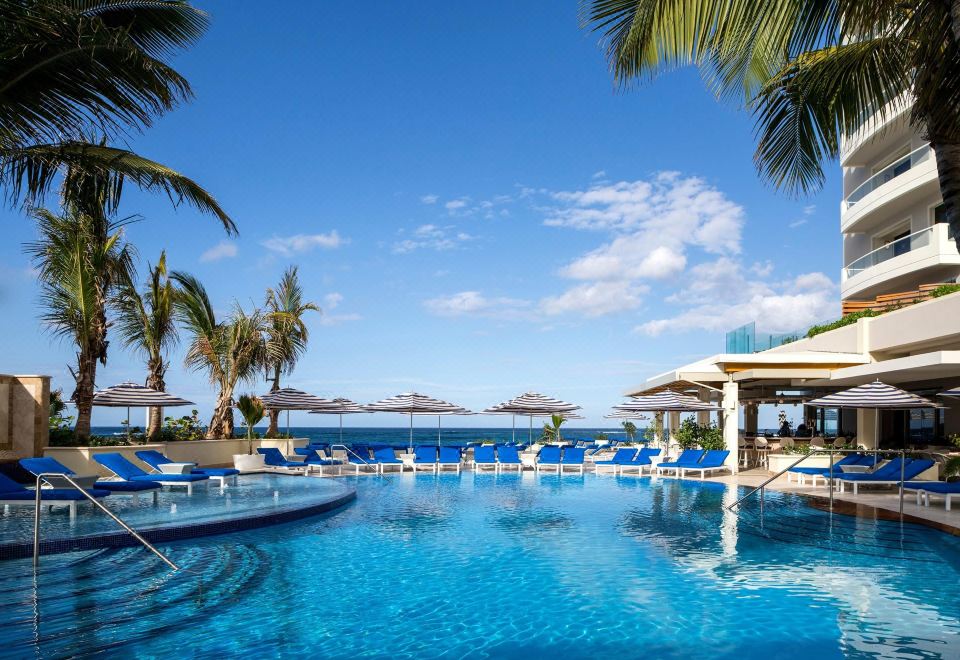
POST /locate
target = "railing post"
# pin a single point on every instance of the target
(903, 461)
(831, 477)
(36, 527)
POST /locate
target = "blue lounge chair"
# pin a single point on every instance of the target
(124, 470)
(449, 457)
(13, 494)
(549, 456)
(509, 456)
(886, 475)
(425, 455)
(643, 460)
(925, 489)
(46, 465)
(484, 455)
(386, 457)
(687, 458)
(802, 471)
(155, 459)
(313, 459)
(274, 458)
(359, 457)
(713, 461)
(572, 457)
(623, 455)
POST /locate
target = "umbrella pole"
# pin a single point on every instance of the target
(513, 430)
(530, 436)
(341, 428)
(288, 425)
(411, 432)
(128, 425)
(438, 430)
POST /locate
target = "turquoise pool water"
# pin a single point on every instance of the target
(509, 566)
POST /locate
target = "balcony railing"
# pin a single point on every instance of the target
(889, 173)
(890, 250)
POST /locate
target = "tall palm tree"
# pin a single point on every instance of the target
(809, 70)
(80, 259)
(287, 334)
(146, 325)
(230, 351)
(73, 69)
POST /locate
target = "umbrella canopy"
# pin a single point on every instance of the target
(340, 406)
(532, 404)
(414, 403)
(625, 414)
(954, 392)
(130, 395)
(289, 398)
(873, 395)
(666, 401)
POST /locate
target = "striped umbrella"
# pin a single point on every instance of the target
(413, 403)
(873, 395)
(625, 414)
(531, 404)
(288, 399)
(340, 406)
(130, 395)
(954, 392)
(666, 401)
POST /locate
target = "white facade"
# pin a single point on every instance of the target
(892, 242)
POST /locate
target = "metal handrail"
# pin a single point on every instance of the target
(348, 450)
(780, 474)
(36, 519)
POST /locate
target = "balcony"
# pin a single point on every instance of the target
(876, 134)
(929, 255)
(895, 188)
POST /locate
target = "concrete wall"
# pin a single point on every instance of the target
(24, 415)
(209, 453)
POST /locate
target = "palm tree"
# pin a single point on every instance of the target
(286, 332)
(146, 325)
(630, 429)
(230, 351)
(251, 408)
(552, 428)
(809, 70)
(80, 260)
(74, 69)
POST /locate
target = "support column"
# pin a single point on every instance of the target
(867, 428)
(674, 426)
(751, 413)
(703, 417)
(731, 423)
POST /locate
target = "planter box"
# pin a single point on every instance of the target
(778, 462)
(248, 462)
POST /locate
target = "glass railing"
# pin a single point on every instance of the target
(890, 250)
(889, 173)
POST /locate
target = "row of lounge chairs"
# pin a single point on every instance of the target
(891, 473)
(127, 479)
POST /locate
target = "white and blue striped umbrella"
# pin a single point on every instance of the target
(531, 404)
(289, 398)
(666, 401)
(873, 395)
(954, 392)
(414, 403)
(130, 395)
(340, 406)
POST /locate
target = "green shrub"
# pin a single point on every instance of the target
(846, 320)
(944, 290)
(188, 427)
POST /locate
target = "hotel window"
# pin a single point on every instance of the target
(891, 236)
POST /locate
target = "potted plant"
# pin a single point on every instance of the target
(252, 411)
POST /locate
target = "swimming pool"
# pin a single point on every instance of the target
(508, 566)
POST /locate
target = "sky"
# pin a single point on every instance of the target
(475, 206)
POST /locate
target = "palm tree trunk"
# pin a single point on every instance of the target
(948, 168)
(85, 377)
(273, 429)
(955, 19)
(221, 424)
(155, 381)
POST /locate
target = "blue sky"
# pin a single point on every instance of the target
(475, 206)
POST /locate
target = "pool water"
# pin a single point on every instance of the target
(510, 566)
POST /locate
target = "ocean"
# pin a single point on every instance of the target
(400, 437)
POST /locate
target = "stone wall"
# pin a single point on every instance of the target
(24, 416)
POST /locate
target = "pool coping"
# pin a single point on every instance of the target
(167, 533)
(871, 512)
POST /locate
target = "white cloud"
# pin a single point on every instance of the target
(289, 245)
(719, 296)
(429, 199)
(222, 250)
(330, 302)
(473, 303)
(432, 237)
(599, 174)
(455, 204)
(595, 299)
(808, 210)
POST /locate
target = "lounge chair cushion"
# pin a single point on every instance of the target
(941, 487)
(549, 455)
(127, 486)
(508, 456)
(449, 456)
(484, 454)
(386, 455)
(573, 456)
(423, 454)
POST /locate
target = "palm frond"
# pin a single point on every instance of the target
(95, 175)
